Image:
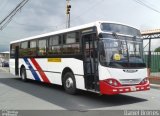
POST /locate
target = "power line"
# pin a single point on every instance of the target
(146, 5)
(9, 17)
(56, 26)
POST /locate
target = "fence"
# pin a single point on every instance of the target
(155, 63)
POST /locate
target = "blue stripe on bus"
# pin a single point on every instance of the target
(35, 75)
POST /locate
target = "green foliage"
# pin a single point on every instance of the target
(157, 49)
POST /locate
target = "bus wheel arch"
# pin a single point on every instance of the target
(69, 81)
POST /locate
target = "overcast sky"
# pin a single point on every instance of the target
(41, 16)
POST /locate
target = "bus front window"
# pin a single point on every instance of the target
(121, 52)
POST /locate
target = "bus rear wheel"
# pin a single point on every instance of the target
(23, 74)
(69, 83)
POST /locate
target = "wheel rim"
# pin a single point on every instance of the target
(69, 82)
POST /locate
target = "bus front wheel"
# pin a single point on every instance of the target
(69, 83)
(23, 74)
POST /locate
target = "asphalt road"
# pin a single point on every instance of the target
(18, 95)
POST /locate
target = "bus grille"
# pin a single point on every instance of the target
(130, 81)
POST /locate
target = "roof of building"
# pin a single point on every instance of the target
(151, 31)
(6, 52)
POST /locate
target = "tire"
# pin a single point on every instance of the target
(69, 83)
(23, 75)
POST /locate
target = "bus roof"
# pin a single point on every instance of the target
(66, 30)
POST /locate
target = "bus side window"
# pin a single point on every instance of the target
(32, 48)
(42, 45)
(71, 43)
(54, 45)
(12, 49)
(23, 49)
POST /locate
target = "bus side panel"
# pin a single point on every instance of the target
(12, 66)
(80, 84)
(28, 72)
(50, 71)
(77, 67)
(57, 67)
(29, 75)
(54, 78)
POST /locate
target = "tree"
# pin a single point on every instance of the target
(157, 49)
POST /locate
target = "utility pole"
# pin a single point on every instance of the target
(68, 18)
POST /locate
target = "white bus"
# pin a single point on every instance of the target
(102, 57)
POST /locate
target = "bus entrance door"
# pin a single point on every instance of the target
(90, 61)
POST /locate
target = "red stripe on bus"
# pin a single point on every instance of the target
(43, 75)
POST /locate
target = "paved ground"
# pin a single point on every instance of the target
(18, 95)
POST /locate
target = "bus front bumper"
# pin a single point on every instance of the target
(105, 88)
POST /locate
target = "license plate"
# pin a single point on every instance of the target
(133, 88)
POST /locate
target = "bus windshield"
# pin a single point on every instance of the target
(121, 52)
(121, 29)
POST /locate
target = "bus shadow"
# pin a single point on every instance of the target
(55, 94)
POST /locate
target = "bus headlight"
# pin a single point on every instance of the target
(113, 82)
